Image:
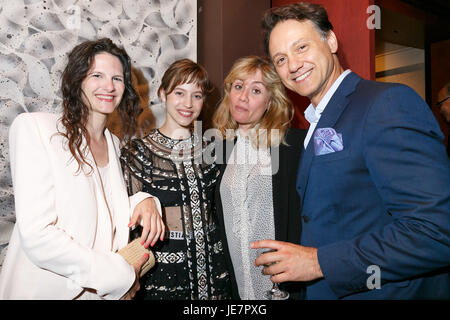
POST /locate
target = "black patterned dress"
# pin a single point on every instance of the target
(190, 261)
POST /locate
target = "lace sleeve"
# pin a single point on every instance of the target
(132, 167)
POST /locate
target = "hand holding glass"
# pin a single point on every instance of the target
(275, 293)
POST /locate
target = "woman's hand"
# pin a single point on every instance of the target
(152, 224)
(136, 286)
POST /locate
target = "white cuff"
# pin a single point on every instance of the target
(136, 198)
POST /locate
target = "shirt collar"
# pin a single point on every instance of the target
(312, 114)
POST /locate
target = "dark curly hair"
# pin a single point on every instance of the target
(299, 11)
(75, 112)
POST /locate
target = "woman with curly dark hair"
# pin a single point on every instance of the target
(72, 208)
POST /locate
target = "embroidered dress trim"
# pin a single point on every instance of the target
(190, 260)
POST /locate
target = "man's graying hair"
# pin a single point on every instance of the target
(300, 11)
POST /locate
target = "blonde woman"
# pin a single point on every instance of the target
(256, 196)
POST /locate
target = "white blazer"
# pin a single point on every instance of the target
(50, 253)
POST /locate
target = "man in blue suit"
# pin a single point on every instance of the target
(374, 179)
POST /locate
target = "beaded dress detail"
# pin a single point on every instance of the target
(190, 261)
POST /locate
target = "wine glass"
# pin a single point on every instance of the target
(275, 293)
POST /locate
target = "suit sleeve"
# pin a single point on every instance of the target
(46, 245)
(404, 154)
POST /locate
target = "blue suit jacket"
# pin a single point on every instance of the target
(383, 200)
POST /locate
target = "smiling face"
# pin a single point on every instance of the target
(305, 62)
(249, 99)
(183, 106)
(103, 86)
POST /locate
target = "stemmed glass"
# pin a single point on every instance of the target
(275, 293)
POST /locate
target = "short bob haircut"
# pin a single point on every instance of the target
(184, 71)
(280, 110)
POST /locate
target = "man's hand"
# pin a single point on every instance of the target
(290, 262)
(136, 286)
(152, 224)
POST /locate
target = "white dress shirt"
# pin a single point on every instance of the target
(313, 114)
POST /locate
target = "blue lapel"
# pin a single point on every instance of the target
(328, 119)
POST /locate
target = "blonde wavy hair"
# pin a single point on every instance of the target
(280, 111)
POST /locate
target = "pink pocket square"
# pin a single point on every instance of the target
(326, 140)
